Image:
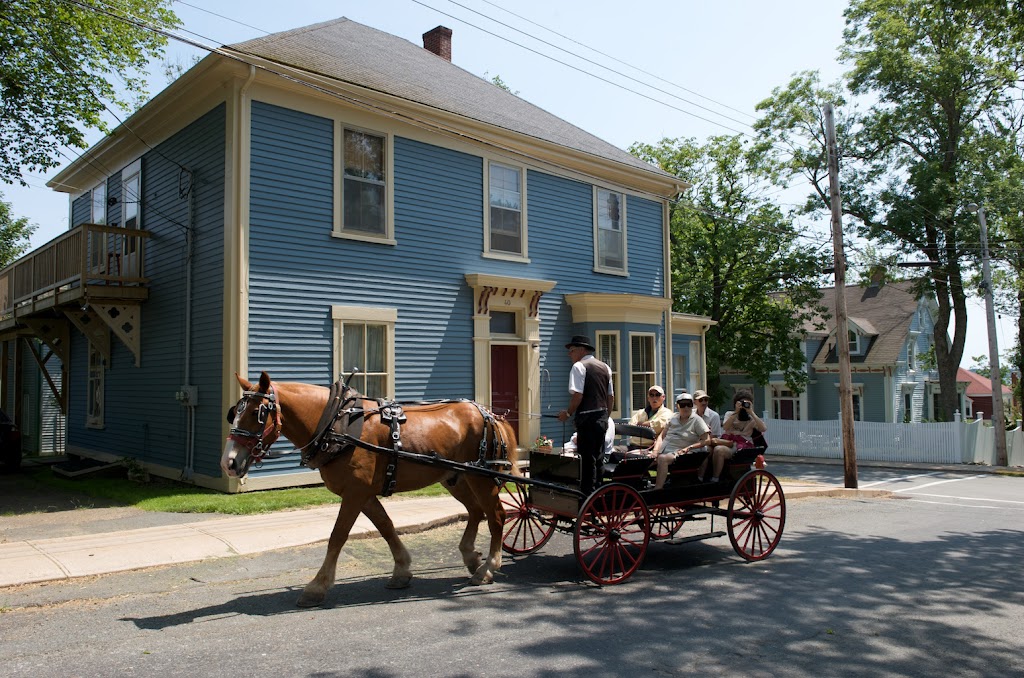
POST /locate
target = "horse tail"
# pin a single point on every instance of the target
(505, 437)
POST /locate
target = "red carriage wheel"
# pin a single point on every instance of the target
(612, 533)
(757, 515)
(526, 529)
(663, 526)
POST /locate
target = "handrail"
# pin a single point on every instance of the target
(89, 254)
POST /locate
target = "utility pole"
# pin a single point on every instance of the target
(993, 347)
(842, 326)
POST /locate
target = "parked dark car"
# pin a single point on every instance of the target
(10, 444)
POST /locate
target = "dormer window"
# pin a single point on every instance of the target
(912, 352)
(856, 345)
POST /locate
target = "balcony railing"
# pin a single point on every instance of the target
(86, 258)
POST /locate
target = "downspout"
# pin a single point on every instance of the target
(187, 394)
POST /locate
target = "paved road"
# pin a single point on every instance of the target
(960, 488)
(858, 587)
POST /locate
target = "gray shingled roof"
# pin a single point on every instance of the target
(348, 51)
(887, 309)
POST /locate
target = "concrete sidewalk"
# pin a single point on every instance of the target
(37, 560)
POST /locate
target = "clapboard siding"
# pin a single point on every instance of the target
(298, 270)
(134, 395)
(81, 209)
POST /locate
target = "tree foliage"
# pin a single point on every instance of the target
(14, 234)
(736, 258)
(60, 64)
(941, 76)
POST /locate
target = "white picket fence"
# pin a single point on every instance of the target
(969, 442)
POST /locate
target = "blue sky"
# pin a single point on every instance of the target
(708, 63)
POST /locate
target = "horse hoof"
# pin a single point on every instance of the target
(399, 582)
(310, 600)
(481, 581)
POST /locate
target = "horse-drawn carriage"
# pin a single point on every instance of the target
(358, 444)
(613, 527)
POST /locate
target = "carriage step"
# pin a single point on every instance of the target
(696, 537)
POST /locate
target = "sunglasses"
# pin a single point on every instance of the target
(686, 404)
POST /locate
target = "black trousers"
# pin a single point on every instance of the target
(590, 432)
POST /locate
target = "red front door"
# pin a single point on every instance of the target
(505, 383)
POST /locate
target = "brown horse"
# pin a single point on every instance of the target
(454, 430)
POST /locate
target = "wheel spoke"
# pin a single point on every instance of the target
(757, 515)
(611, 535)
(525, 530)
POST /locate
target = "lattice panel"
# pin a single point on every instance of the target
(94, 329)
(125, 321)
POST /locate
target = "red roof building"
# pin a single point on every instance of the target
(979, 393)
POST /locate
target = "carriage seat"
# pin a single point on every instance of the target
(627, 431)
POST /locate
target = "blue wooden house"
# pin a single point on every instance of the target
(890, 331)
(334, 197)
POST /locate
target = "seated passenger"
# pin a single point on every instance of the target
(654, 416)
(738, 430)
(710, 417)
(685, 433)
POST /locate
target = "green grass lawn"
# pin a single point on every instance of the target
(160, 494)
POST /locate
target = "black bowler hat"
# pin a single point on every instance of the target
(581, 340)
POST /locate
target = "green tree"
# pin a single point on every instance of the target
(736, 258)
(14, 234)
(57, 62)
(940, 75)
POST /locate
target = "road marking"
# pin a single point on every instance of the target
(982, 506)
(946, 496)
(896, 480)
(939, 482)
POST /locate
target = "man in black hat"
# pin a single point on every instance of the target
(590, 400)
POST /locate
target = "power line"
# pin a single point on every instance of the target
(609, 56)
(589, 61)
(580, 70)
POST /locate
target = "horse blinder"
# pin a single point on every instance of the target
(257, 443)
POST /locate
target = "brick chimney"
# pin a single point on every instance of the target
(439, 41)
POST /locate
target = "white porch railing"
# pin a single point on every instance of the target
(935, 443)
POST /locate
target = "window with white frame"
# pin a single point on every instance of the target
(131, 198)
(99, 204)
(695, 366)
(785, 403)
(94, 389)
(855, 343)
(857, 393)
(98, 215)
(680, 373)
(642, 367)
(505, 214)
(365, 340)
(608, 353)
(912, 352)
(364, 190)
(610, 230)
(908, 405)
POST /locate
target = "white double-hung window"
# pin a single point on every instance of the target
(505, 233)
(364, 340)
(609, 231)
(364, 177)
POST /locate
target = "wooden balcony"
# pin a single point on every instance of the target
(91, 263)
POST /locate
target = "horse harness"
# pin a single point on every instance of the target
(340, 429)
(257, 443)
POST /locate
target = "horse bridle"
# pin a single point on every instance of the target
(257, 443)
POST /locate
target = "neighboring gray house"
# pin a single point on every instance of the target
(889, 330)
(328, 197)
